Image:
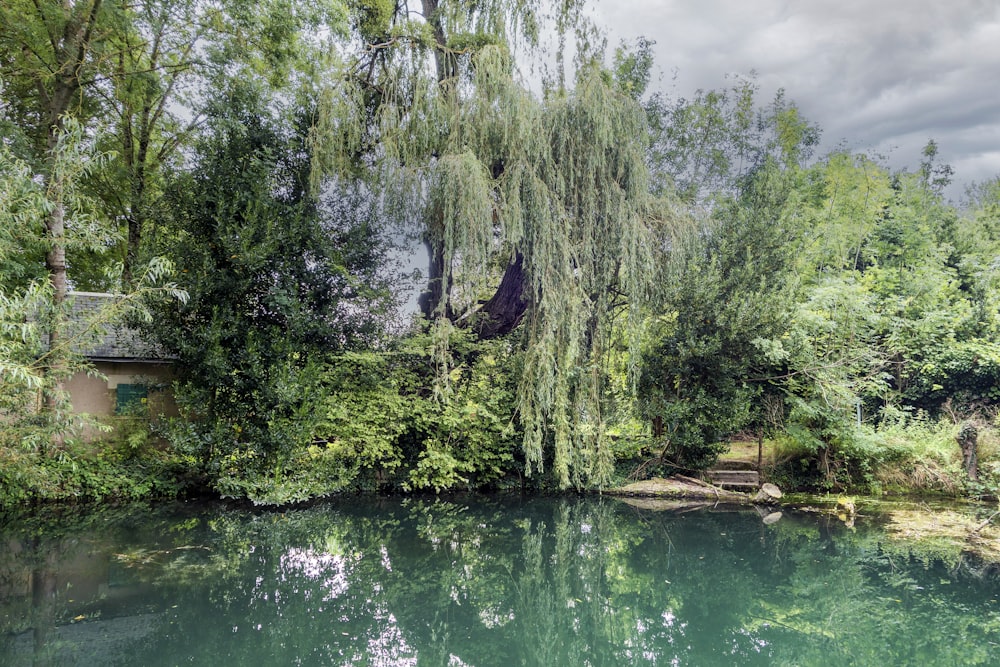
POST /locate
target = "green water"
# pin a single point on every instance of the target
(485, 582)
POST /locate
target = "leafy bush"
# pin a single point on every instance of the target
(963, 375)
(384, 415)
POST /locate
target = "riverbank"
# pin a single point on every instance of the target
(954, 527)
(921, 459)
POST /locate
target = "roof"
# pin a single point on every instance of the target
(106, 339)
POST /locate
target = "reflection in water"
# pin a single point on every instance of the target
(496, 582)
(43, 598)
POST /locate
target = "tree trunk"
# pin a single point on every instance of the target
(434, 300)
(503, 312)
(824, 464)
(71, 53)
(134, 157)
(968, 441)
(137, 165)
(447, 66)
(768, 494)
(55, 262)
(435, 296)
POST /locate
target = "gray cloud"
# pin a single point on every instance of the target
(885, 76)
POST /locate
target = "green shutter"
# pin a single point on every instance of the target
(128, 397)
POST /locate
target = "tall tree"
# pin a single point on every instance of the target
(717, 345)
(113, 76)
(137, 70)
(726, 284)
(535, 213)
(278, 282)
(153, 63)
(705, 146)
(166, 54)
(50, 52)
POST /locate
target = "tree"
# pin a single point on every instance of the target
(717, 345)
(535, 213)
(51, 51)
(41, 458)
(891, 241)
(133, 73)
(893, 318)
(153, 64)
(69, 66)
(718, 342)
(278, 282)
(704, 147)
(166, 54)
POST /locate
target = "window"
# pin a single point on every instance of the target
(130, 398)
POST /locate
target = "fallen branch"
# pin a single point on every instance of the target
(985, 523)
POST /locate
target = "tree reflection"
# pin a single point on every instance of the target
(31, 599)
(545, 582)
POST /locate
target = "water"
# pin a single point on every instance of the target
(486, 582)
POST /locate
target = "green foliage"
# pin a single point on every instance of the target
(374, 424)
(633, 66)
(703, 148)
(90, 472)
(39, 348)
(22, 201)
(893, 315)
(728, 304)
(383, 420)
(39, 39)
(372, 18)
(796, 296)
(497, 183)
(275, 278)
(964, 374)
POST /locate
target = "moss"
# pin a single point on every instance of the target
(950, 532)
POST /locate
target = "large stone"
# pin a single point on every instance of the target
(768, 493)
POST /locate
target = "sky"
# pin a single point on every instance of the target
(881, 76)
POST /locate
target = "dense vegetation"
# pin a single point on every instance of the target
(617, 281)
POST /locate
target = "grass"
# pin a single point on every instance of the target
(910, 456)
(744, 450)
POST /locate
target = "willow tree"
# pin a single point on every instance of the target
(535, 212)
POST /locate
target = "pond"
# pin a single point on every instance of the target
(488, 581)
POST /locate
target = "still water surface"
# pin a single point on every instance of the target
(486, 582)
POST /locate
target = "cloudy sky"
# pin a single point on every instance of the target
(881, 75)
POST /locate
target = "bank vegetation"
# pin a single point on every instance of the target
(617, 282)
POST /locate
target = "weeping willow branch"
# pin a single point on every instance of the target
(536, 215)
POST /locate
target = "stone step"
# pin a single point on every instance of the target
(735, 464)
(745, 478)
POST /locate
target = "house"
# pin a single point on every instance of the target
(130, 374)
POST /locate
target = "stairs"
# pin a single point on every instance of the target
(734, 474)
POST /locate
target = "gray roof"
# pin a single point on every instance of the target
(105, 338)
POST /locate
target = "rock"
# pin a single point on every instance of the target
(768, 493)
